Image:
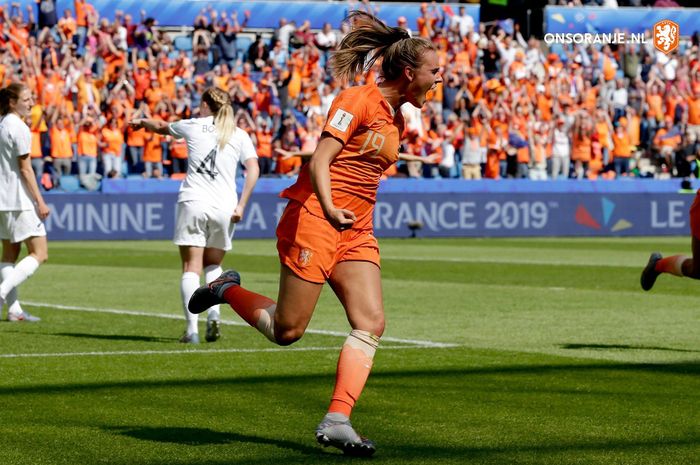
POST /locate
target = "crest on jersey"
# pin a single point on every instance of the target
(666, 36)
(341, 120)
(305, 257)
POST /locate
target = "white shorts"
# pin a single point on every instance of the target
(198, 224)
(18, 225)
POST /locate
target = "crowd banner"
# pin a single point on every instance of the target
(263, 14)
(559, 20)
(95, 216)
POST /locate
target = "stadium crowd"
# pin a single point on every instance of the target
(508, 107)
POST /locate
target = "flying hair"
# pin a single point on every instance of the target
(370, 40)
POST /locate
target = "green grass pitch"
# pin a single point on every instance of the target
(497, 351)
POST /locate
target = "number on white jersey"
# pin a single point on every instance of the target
(211, 171)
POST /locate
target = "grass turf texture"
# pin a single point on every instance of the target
(559, 358)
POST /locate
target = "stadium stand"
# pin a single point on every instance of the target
(512, 106)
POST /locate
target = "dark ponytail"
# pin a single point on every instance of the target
(9, 96)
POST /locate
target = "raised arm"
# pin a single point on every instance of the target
(153, 125)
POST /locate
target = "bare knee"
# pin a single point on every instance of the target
(287, 336)
(371, 321)
(377, 327)
(41, 257)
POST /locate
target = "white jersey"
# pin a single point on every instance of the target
(15, 141)
(211, 172)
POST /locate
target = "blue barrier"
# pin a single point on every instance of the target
(264, 14)
(480, 214)
(560, 20)
(434, 186)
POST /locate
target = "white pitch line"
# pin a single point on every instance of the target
(114, 311)
(192, 351)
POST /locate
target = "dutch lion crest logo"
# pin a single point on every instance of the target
(305, 257)
(666, 36)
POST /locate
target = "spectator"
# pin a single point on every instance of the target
(111, 143)
(258, 53)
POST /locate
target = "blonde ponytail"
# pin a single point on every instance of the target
(220, 104)
(225, 125)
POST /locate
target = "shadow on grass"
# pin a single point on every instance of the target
(621, 347)
(685, 368)
(204, 437)
(396, 453)
(117, 337)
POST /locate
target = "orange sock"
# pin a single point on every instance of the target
(354, 365)
(247, 304)
(672, 264)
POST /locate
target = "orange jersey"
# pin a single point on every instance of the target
(153, 151)
(87, 143)
(370, 131)
(694, 111)
(622, 147)
(178, 149)
(114, 138)
(60, 143)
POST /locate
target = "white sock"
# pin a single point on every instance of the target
(266, 323)
(188, 284)
(677, 268)
(12, 299)
(17, 275)
(210, 274)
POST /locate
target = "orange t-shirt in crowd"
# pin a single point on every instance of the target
(142, 81)
(601, 128)
(621, 145)
(68, 26)
(369, 129)
(581, 150)
(37, 123)
(60, 143)
(35, 150)
(153, 151)
(82, 8)
(178, 149)
(264, 147)
(634, 130)
(87, 143)
(287, 165)
(114, 139)
(135, 138)
(694, 111)
(661, 140)
(655, 106)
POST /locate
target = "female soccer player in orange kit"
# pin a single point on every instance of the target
(677, 265)
(325, 233)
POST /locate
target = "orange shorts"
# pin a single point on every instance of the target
(695, 217)
(311, 247)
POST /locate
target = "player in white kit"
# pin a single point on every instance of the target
(22, 208)
(208, 206)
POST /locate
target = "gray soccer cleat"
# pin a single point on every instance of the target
(22, 316)
(190, 338)
(213, 332)
(213, 293)
(649, 274)
(336, 430)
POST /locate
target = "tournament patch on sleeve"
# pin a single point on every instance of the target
(341, 120)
